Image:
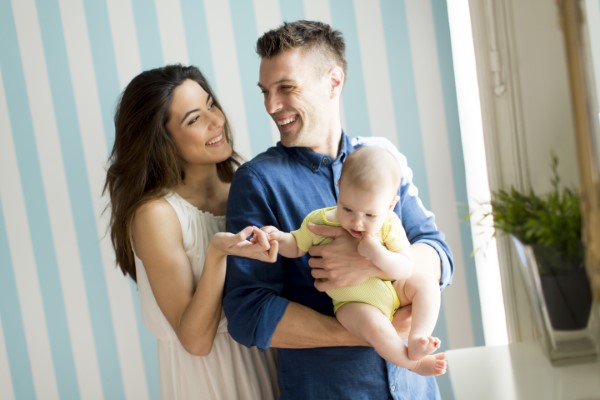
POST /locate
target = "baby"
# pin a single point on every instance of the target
(368, 192)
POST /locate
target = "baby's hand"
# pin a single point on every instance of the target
(272, 232)
(368, 246)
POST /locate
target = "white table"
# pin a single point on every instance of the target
(519, 371)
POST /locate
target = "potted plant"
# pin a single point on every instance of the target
(550, 225)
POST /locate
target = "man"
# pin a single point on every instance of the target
(283, 305)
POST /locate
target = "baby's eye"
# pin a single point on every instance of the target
(371, 215)
(346, 209)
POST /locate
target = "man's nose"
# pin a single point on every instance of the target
(272, 103)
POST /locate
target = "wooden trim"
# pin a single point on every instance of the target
(585, 108)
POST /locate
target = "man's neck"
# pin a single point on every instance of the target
(330, 145)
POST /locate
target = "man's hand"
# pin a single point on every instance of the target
(338, 263)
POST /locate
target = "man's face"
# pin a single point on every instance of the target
(298, 100)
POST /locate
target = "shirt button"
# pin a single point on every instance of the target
(325, 160)
(393, 387)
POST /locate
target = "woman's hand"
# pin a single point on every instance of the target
(250, 242)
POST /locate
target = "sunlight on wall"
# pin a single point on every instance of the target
(467, 90)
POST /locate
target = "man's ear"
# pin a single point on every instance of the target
(336, 79)
(394, 201)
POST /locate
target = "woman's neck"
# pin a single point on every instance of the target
(203, 189)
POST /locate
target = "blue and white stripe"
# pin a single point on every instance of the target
(70, 325)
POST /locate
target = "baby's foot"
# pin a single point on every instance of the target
(434, 364)
(419, 347)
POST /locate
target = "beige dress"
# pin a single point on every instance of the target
(231, 370)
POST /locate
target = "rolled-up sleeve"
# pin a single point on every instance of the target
(252, 301)
(420, 226)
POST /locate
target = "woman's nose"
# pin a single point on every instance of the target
(215, 120)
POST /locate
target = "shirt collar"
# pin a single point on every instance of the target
(314, 160)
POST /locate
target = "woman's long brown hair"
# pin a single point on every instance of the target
(144, 163)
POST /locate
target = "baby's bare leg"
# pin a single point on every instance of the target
(423, 292)
(368, 323)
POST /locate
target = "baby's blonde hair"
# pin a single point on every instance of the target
(372, 168)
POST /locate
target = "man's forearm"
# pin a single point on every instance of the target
(301, 327)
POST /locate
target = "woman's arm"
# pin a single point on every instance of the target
(193, 311)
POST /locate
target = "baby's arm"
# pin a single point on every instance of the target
(287, 242)
(394, 264)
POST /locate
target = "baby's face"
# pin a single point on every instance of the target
(362, 211)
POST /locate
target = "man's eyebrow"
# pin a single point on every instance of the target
(277, 82)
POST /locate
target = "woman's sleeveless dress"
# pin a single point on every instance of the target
(231, 371)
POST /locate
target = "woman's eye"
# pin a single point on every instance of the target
(193, 120)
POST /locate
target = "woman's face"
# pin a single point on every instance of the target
(197, 126)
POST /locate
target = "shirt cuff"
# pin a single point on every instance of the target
(271, 314)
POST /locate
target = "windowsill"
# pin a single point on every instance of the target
(519, 371)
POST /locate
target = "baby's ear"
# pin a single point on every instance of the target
(394, 201)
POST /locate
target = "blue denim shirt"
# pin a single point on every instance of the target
(279, 187)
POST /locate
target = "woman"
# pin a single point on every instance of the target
(168, 182)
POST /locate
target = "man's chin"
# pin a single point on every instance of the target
(288, 140)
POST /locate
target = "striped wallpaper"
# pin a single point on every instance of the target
(70, 325)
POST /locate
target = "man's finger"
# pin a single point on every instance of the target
(323, 285)
(314, 251)
(324, 230)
